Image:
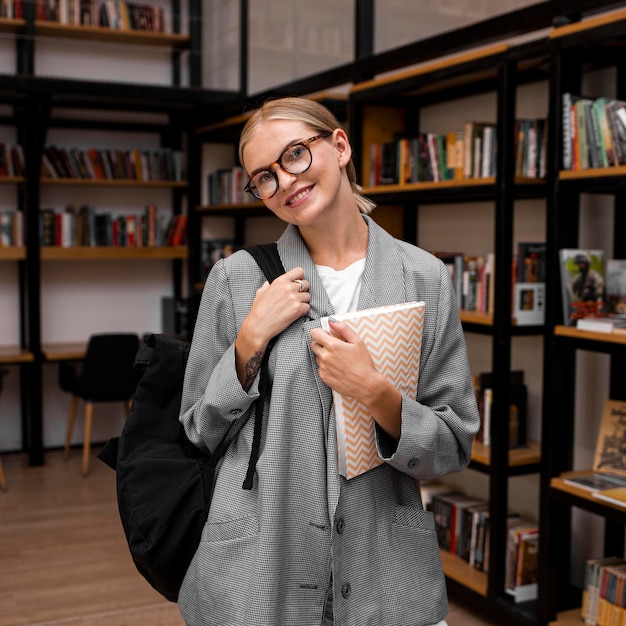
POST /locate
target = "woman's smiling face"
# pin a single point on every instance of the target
(300, 199)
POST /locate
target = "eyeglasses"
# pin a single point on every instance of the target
(296, 159)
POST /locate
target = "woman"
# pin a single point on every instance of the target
(305, 546)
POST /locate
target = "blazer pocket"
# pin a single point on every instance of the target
(239, 528)
(414, 518)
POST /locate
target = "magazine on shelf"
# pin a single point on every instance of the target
(583, 284)
(610, 455)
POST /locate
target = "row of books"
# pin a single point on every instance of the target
(594, 132)
(604, 591)
(161, 164)
(457, 155)
(518, 402)
(11, 159)
(592, 287)
(212, 250)
(462, 524)
(472, 276)
(225, 186)
(84, 226)
(115, 14)
(11, 229)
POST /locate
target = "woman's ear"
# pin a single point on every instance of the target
(342, 145)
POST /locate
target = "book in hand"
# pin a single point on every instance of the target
(393, 335)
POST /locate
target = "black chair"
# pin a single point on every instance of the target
(3, 482)
(107, 375)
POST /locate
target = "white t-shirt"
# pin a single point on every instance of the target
(343, 286)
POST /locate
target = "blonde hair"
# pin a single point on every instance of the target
(314, 115)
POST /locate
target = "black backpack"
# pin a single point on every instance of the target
(164, 482)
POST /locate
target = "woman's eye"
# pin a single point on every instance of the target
(295, 152)
(263, 177)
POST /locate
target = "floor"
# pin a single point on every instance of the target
(64, 560)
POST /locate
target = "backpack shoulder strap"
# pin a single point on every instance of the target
(267, 258)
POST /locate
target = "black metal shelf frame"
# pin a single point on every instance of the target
(506, 75)
(571, 56)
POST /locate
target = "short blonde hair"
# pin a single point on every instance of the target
(318, 118)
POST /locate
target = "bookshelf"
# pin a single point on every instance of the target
(577, 49)
(397, 105)
(54, 105)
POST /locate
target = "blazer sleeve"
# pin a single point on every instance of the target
(213, 398)
(439, 426)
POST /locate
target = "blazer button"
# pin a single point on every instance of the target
(346, 590)
(340, 525)
(413, 463)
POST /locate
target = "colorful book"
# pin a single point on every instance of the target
(393, 335)
(583, 284)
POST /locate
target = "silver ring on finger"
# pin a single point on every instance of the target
(300, 284)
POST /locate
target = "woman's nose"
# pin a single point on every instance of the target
(283, 175)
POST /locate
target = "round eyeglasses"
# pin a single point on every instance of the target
(296, 159)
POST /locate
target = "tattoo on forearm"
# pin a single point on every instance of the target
(252, 367)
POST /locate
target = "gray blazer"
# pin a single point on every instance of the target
(266, 555)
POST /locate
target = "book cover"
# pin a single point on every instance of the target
(595, 481)
(393, 335)
(610, 455)
(531, 262)
(583, 287)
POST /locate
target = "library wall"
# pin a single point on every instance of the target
(592, 369)
(469, 229)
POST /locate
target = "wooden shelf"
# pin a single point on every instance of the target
(111, 35)
(529, 455)
(64, 351)
(432, 66)
(594, 22)
(574, 333)
(236, 122)
(221, 208)
(593, 172)
(462, 572)
(11, 180)
(585, 494)
(568, 618)
(127, 182)
(12, 253)
(11, 26)
(474, 317)
(112, 253)
(428, 185)
(15, 354)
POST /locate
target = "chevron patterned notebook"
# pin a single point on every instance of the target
(393, 335)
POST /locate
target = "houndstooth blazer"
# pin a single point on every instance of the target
(266, 555)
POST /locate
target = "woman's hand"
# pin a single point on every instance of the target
(274, 308)
(346, 366)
